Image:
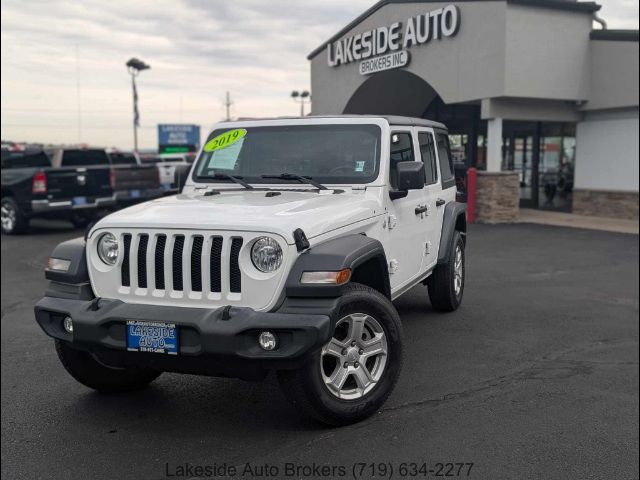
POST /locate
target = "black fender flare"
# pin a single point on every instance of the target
(74, 283)
(454, 218)
(336, 254)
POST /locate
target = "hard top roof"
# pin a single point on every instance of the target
(391, 119)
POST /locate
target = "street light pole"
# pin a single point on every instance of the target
(135, 66)
(304, 97)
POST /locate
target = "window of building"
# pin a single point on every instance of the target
(446, 163)
(401, 151)
(428, 154)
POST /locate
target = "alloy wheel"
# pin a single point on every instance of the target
(353, 361)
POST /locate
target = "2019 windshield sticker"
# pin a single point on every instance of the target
(225, 139)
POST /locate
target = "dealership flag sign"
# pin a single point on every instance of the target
(384, 48)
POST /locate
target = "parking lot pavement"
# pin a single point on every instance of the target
(535, 376)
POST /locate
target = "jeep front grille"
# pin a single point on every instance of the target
(177, 263)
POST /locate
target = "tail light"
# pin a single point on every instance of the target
(112, 179)
(39, 183)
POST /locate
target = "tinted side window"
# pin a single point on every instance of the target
(428, 153)
(401, 151)
(83, 158)
(446, 163)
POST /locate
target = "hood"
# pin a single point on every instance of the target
(246, 210)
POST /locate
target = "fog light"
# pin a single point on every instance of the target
(267, 341)
(68, 324)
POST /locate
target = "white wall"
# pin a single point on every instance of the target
(607, 151)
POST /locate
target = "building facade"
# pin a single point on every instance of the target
(543, 104)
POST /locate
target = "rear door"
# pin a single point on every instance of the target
(407, 229)
(433, 193)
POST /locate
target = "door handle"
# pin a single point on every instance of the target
(420, 209)
(440, 202)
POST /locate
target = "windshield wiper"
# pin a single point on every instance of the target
(300, 178)
(225, 176)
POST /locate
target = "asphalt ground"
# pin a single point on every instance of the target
(535, 376)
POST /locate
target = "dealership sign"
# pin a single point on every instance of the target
(384, 48)
(178, 138)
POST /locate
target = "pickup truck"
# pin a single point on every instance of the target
(283, 252)
(33, 187)
(131, 180)
(167, 165)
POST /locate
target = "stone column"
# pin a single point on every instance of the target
(497, 197)
(494, 145)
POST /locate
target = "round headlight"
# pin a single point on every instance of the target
(108, 249)
(266, 254)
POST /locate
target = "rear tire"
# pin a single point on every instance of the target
(352, 376)
(90, 372)
(14, 222)
(446, 283)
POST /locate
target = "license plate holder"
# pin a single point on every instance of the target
(152, 337)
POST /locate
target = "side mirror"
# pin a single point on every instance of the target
(181, 174)
(410, 175)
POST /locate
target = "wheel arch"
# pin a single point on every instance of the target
(454, 220)
(365, 257)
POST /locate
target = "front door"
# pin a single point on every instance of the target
(407, 229)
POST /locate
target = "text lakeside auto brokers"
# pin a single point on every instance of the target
(419, 30)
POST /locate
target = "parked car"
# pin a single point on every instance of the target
(284, 251)
(34, 187)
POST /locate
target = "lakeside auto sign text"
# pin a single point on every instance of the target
(384, 48)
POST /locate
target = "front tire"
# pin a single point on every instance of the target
(87, 370)
(355, 372)
(446, 283)
(13, 220)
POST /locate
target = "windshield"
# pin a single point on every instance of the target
(335, 154)
(83, 158)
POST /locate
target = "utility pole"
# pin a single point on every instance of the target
(227, 105)
(78, 95)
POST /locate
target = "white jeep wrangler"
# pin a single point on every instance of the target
(284, 251)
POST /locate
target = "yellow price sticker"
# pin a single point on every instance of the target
(224, 140)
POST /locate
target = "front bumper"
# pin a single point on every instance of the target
(209, 343)
(46, 205)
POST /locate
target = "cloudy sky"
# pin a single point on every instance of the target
(64, 79)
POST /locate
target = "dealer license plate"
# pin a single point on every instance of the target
(135, 193)
(154, 337)
(79, 200)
